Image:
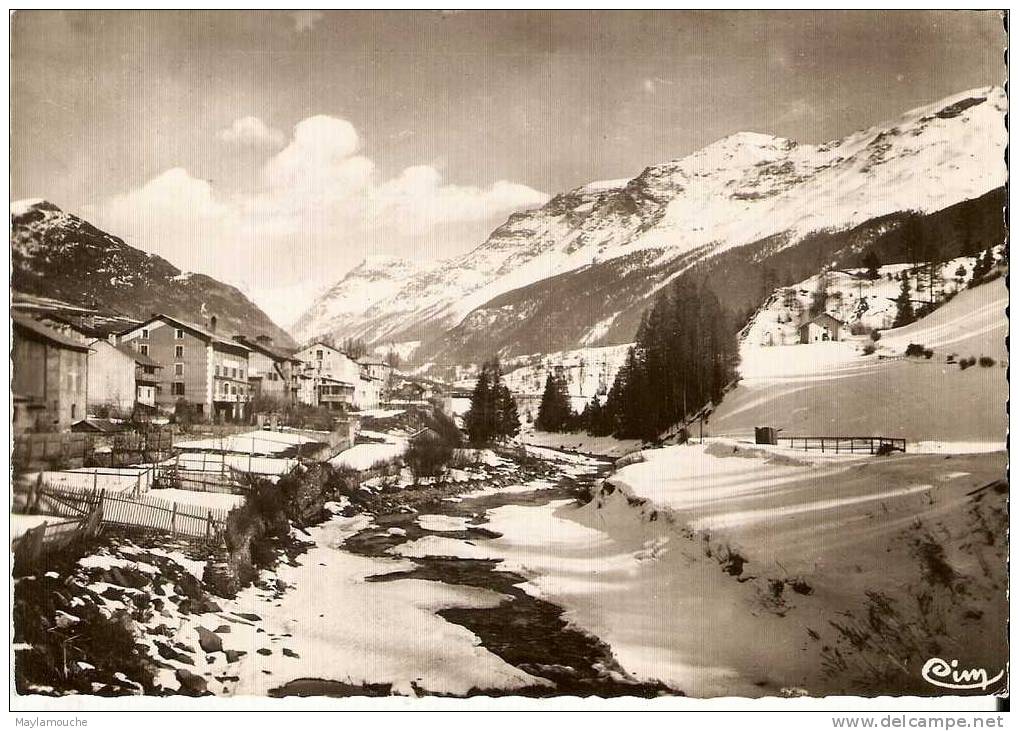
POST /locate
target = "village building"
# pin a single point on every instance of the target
(99, 426)
(271, 372)
(200, 368)
(111, 386)
(376, 369)
(324, 360)
(367, 392)
(146, 378)
(307, 386)
(334, 394)
(336, 375)
(412, 391)
(822, 328)
(49, 377)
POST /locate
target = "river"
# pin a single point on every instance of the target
(523, 629)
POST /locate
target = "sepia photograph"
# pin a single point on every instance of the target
(521, 359)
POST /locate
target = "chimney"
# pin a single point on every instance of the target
(212, 324)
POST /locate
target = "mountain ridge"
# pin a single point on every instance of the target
(745, 190)
(60, 255)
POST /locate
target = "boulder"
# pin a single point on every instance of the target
(208, 640)
(191, 684)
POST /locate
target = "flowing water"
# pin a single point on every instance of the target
(523, 630)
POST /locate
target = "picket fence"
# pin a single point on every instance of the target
(119, 509)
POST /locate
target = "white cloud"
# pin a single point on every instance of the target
(305, 19)
(252, 131)
(318, 207)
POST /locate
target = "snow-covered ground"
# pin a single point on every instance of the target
(111, 479)
(588, 371)
(853, 299)
(381, 413)
(828, 389)
(580, 443)
(253, 442)
(333, 624)
(21, 523)
(216, 463)
(215, 500)
(363, 456)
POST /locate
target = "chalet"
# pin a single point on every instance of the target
(822, 328)
(271, 372)
(199, 367)
(49, 377)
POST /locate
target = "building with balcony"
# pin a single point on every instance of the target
(198, 367)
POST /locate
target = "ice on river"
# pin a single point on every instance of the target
(443, 523)
(347, 629)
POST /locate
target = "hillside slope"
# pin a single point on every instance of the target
(579, 270)
(58, 255)
(833, 389)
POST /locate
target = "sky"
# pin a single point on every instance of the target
(276, 150)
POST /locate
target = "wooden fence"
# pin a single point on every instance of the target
(847, 445)
(35, 546)
(117, 509)
(67, 450)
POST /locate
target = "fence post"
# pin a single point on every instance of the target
(173, 520)
(38, 493)
(208, 527)
(95, 478)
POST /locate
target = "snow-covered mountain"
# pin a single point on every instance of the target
(340, 307)
(579, 270)
(59, 255)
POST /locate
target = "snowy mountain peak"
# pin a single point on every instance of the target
(383, 265)
(742, 190)
(27, 205)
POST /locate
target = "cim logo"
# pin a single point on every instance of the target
(945, 674)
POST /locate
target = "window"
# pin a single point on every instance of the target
(74, 411)
(145, 333)
(143, 349)
(217, 370)
(178, 351)
(233, 390)
(178, 334)
(177, 389)
(233, 373)
(242, 374)
(318, 354)
(178, 369)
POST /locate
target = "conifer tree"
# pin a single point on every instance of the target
(873, 263)
(554, 413)
(903, 304)
(493, 413)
